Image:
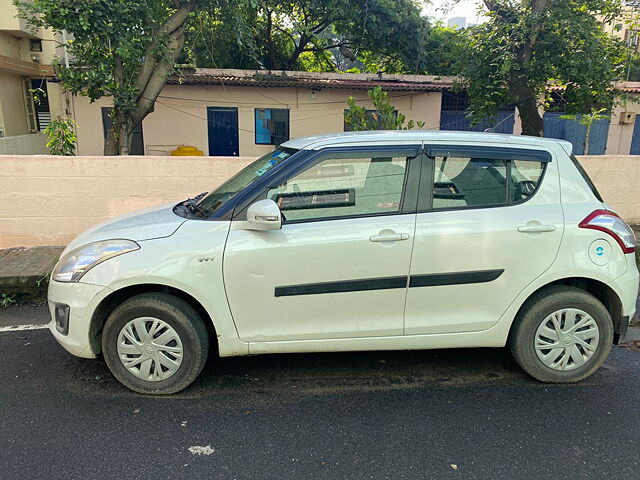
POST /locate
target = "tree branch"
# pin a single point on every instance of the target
(286, 32)
(173, 24)
(328, 47)
(158, 79)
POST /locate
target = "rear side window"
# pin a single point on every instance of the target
(583, 172)
(469, 182)
(474, 177)
(525, 178)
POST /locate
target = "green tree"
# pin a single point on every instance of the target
(124, 49)
(384, 115)
(306, 34)
(442, 51)
(527, 43)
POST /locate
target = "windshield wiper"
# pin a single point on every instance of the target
(191, 204)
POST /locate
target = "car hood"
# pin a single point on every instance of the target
(154, 222)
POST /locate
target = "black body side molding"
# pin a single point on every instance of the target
(385, 283)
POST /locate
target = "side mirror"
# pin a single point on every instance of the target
(264, 215)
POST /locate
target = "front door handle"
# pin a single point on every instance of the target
(536, 228)
(389, 237)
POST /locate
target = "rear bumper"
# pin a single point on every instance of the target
(82, 300)
(626, 287)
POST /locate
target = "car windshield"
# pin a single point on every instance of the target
(245, 177)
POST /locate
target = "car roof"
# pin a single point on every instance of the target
(416, 136)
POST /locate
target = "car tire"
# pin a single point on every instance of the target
(164, 335)
(535, 328)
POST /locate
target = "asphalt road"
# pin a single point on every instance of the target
(416, 415)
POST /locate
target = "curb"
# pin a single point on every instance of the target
(24, 272)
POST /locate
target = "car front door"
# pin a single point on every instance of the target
(339, 266)
(489, 223)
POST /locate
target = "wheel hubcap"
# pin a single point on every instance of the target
(150, 349)
(566, 339)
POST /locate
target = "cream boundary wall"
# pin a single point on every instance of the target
(48, 200)
(617, 178)
(180, 115)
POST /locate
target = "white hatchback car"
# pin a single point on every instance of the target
(359, 241)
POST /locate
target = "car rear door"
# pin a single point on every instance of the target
(489, 222)
(339, 266)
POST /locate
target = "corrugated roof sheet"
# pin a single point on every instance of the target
(322, 80)
(629, 87)
(312, 80)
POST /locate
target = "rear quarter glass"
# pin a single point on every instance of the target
(586, 178)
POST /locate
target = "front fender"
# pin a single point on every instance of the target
(189, 261)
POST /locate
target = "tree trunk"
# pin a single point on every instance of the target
(152, 77)
(523, 95)
(111, 142)
(525, 100)
(532, 122)
(124, 138)
(118, 141)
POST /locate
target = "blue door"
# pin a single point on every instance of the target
(222, 126)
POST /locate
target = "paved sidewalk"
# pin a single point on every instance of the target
(24, 272)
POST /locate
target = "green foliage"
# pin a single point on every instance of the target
(123, 49)
(44, 279)
(62, 136)
(587, 120)
(307, 34)
(384, 117)
(6, 300)
(38, 94)
(442, 51)
(525, 44)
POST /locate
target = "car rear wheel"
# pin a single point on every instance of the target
(562, 334)
(155, 343)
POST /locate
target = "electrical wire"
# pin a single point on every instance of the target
(435, 127)
(235, 102)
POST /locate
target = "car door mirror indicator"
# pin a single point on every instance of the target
(264, 215)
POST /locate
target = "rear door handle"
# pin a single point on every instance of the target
(536, 228)
(389, 237)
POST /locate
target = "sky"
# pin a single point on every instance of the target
(444, 9)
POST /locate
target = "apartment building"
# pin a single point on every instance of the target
(28, 97)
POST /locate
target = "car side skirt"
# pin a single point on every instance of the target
(485, 338)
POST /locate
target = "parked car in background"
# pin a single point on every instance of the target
(359, 241)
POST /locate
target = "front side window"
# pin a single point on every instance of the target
(272, 126)
(484, 177)
(218, 197)
(343, 187)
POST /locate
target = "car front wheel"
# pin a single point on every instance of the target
(563, 334)
(155, 343)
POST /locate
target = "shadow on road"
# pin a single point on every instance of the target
(38, 362)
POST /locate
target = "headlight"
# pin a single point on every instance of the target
(76, 263)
